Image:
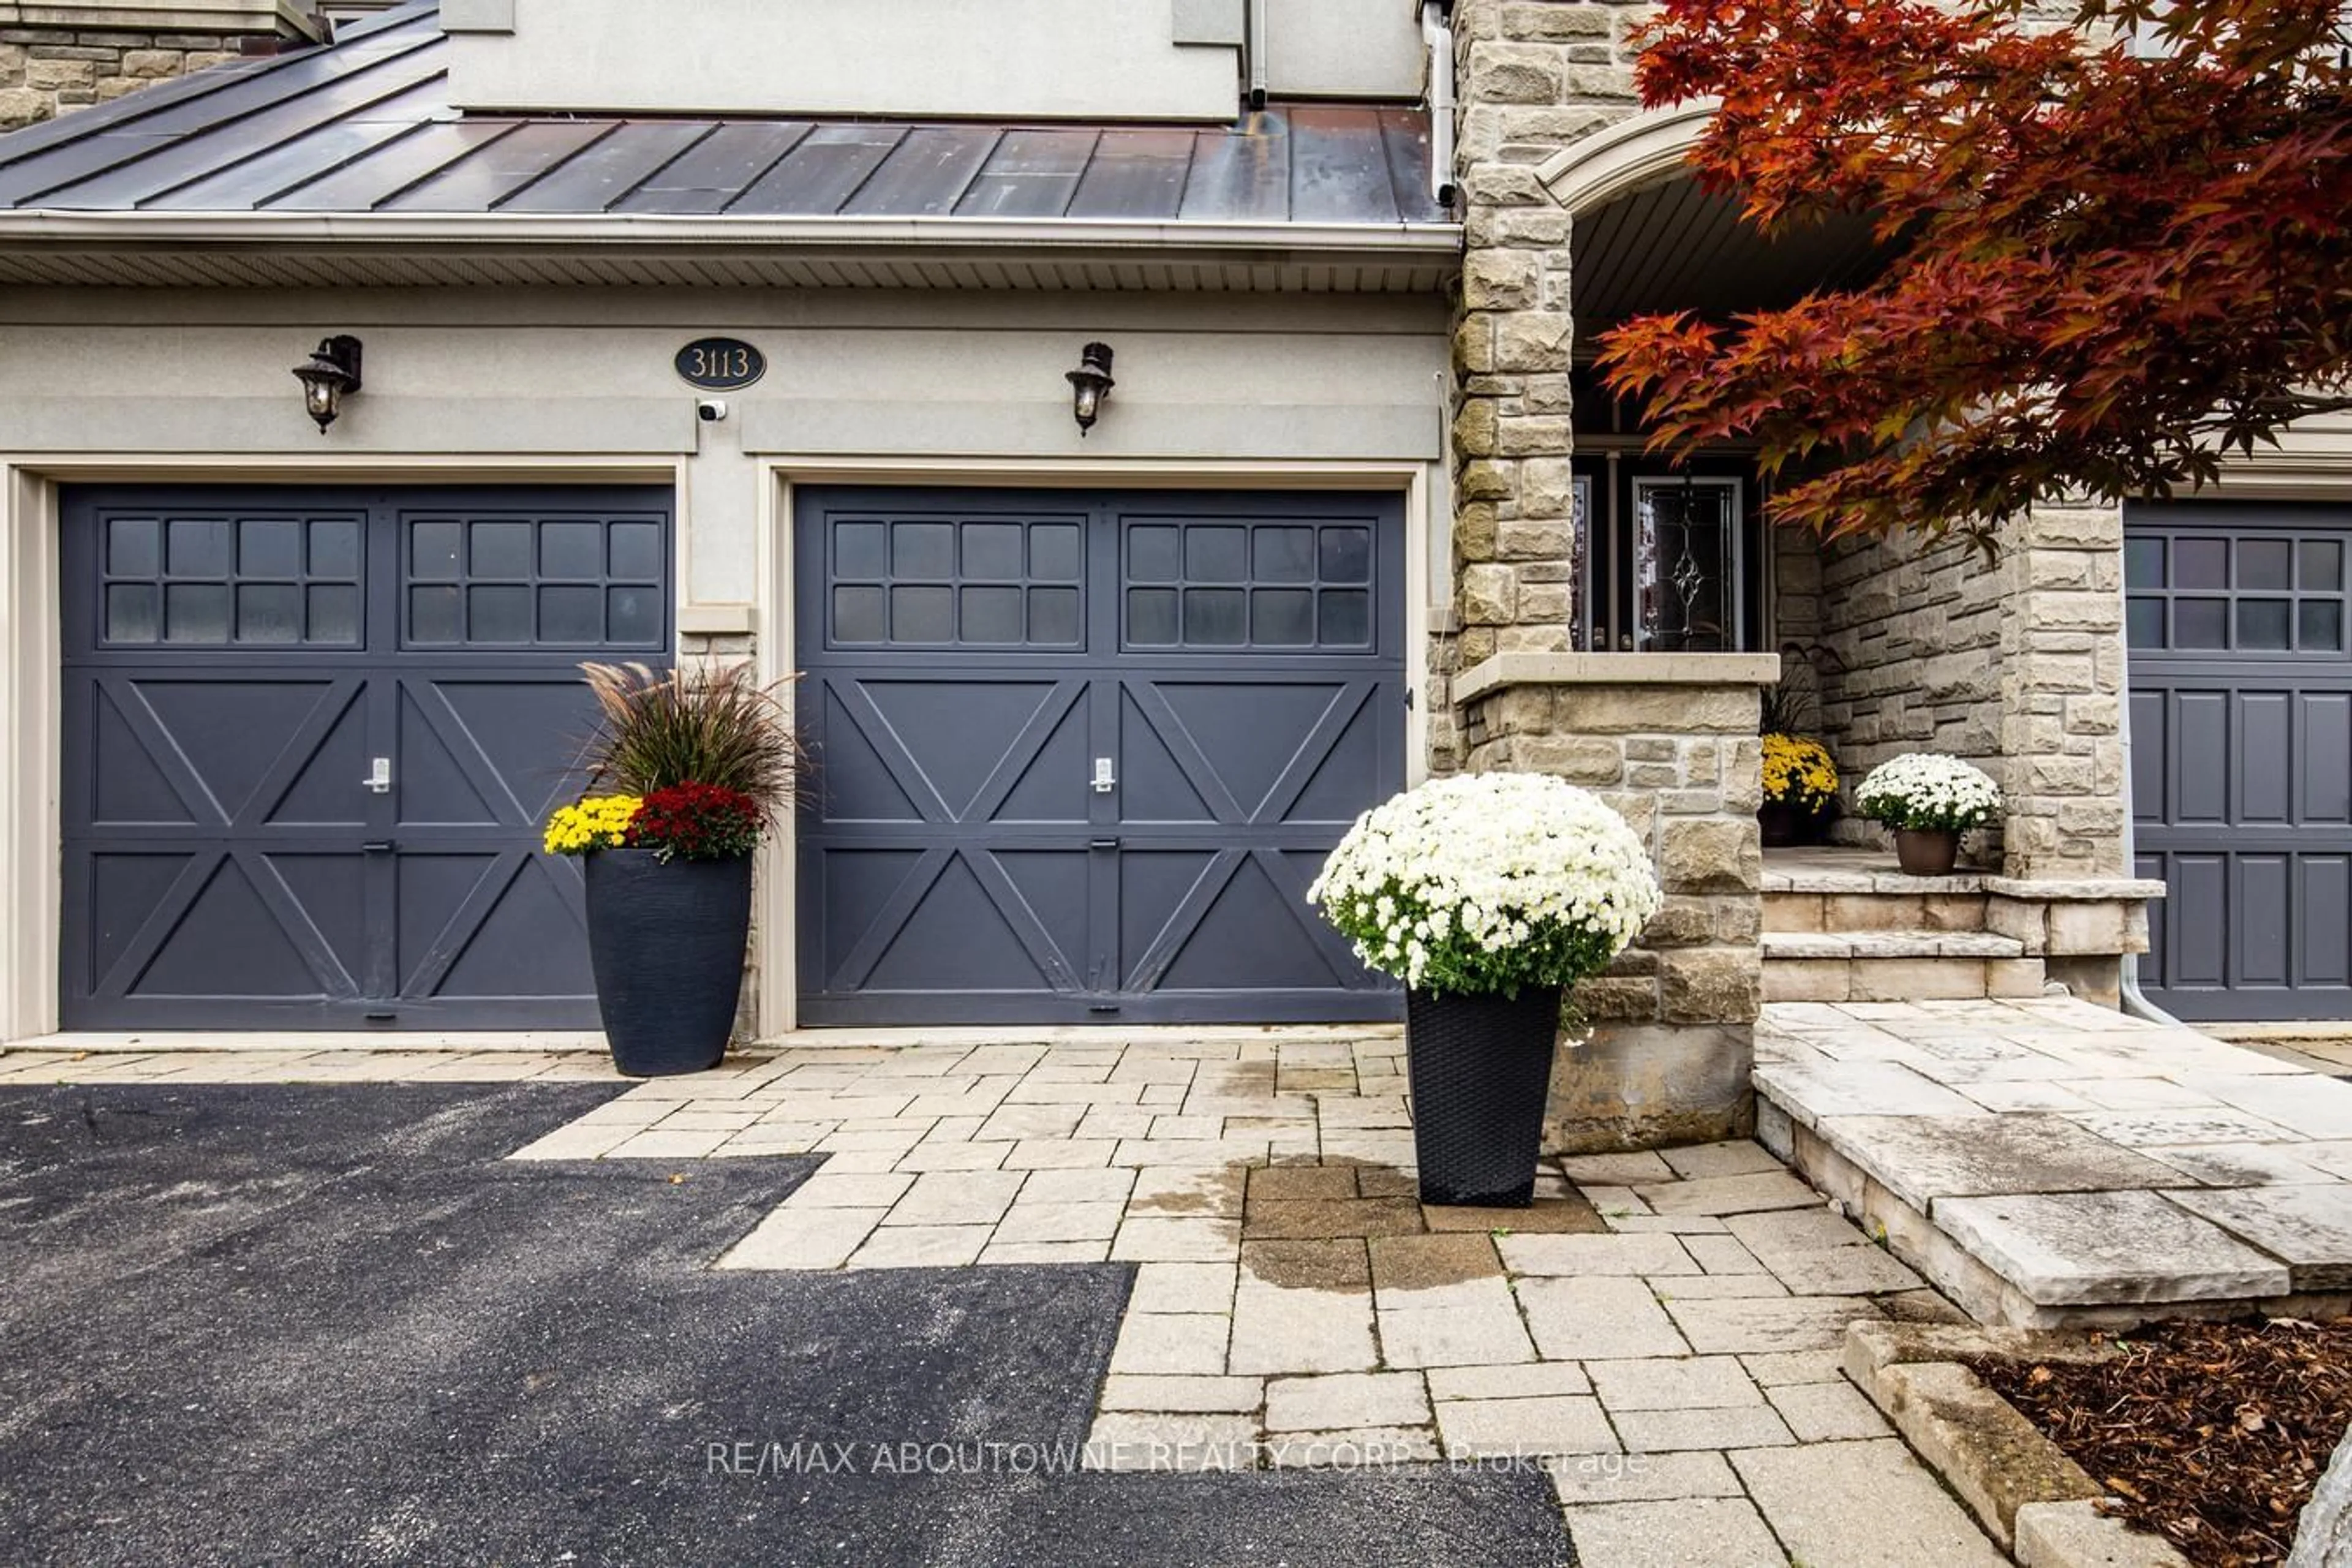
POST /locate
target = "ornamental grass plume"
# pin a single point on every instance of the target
(699, 724)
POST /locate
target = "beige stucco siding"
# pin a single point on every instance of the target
(1282, 380)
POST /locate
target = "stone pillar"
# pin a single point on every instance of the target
(75, 53)
(1668, 739)
(2062, 665)
(1534, 76)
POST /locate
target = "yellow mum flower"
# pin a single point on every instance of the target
(598, 822)
(1798, 772)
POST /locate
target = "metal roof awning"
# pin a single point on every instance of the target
(347, 162)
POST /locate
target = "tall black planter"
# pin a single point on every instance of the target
(667, 943)
(1481, 1070)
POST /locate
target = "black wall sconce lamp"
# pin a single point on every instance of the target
(332, 375)
(1092, 384)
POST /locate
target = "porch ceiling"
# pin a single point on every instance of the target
(1673, 246)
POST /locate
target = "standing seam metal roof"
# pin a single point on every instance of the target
(364, 125)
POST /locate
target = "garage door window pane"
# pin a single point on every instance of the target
(571, 552)
(1282, 617)
(498, 614)
(1216, 554)
(2322, 626)
(860, 615)
(335, 550)
(2200, 562)
(1155, 555)
(993, 552)
(2145, 623)
(195, 612)
(133, 547)
(2265, 564)
(2143, 562)
(923, 615)
(2323, 566)
(268, 613)
(637, 551)
(1346, 556)
(435, 616)
(923, 550)
(1346, 618)
(861, 550)
(1284, 556)
(2262, 624)
(501, 549)
(1053, 552)
(632, 617)
(269, 547)
(1054, 615)
(433, 551)
(1151, 617)
(993, 616)
(572, 615)
(2200, 623)
(1215, 617)
(334, 614)
(199, 548)
(132, 612)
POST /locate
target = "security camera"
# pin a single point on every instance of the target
(711, 410)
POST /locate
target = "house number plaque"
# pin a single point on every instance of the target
(720, 365)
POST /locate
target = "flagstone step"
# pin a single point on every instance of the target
(1897, 966)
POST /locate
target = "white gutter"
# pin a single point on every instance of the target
(1439, 34)
(109, 230)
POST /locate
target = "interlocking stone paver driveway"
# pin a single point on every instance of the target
(1660, 1332)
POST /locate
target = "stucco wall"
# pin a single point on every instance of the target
(1061, 58)
(850, 374)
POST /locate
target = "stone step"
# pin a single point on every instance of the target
(1929, 905)
(1897, 966)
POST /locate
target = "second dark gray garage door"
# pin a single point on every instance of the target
(2241, 755)
(1082, 753)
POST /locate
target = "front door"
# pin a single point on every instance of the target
(1080, 754)
(310, 735)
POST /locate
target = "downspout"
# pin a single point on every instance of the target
(2135, 1001)
(1439, 34)
(1256, 49)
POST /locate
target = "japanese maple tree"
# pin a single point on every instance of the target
(2114, 261)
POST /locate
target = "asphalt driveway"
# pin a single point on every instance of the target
(268, 1324)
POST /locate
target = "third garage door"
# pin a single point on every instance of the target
(2241, 755)
(1080, 753)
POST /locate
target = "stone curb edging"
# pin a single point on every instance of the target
(2038, 1504)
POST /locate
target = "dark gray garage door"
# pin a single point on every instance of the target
(2241, 755)
(240, 663)
(1082, 753)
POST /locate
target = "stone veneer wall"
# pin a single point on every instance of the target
(53, 68)
(2014, 662)
(1670, 742)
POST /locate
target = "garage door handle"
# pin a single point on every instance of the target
(1106, 776)
(379, 777)
(381, 846)
(1102, 843)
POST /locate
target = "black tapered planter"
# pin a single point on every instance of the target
(667, 943)
(1481, 1071)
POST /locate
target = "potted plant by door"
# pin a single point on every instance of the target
(1800, 786)
(1488, 895)
(700, 761)
(1929, 801)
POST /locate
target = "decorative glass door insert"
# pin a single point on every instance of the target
(1686, 564)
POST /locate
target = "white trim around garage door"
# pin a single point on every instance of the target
(31, 894)
(772, 612)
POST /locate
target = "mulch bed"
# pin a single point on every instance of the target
(2212, 1435)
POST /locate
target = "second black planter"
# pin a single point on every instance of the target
(667, 943)
(1481, 1072)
